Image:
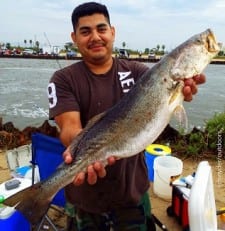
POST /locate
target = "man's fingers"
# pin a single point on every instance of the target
(79, 179)
(111, 160)
(67, 159)
(199, 79)
(187, 93)
(93, 171)
(194, 88)
(100, 169)
(188, 82)
(190, 88)
(91, 175)
(67, 156)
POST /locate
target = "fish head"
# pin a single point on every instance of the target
(191, 58)
(208, 39)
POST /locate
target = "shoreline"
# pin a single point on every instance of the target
(134, 58)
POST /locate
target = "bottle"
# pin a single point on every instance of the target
(1, 203)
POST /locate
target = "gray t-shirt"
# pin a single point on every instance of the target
(76, 88)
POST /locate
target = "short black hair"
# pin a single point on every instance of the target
(88, 8)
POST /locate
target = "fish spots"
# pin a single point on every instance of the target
(136, 120)
(148, 115)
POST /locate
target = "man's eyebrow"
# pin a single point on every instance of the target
(85, 28)
(88, 27)
(102, 25)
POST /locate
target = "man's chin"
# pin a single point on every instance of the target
(98, 57)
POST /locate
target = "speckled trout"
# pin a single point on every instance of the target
(128, 127)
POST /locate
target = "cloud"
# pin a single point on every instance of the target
(141, 24)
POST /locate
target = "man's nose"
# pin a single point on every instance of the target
(95, 35)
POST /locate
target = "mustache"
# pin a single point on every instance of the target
(96, 44)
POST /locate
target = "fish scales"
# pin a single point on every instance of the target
(129, 126)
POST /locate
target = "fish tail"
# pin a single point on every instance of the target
(30, 203)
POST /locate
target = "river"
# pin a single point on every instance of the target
(23, 96)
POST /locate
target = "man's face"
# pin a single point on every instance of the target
(94, 38)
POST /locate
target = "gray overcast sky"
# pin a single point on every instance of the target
(140, 23)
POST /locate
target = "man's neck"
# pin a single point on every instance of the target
(100, 67)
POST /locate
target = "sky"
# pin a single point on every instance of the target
(139, 23)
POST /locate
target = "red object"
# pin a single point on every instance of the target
(179, 207)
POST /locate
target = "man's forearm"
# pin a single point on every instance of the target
(68, 134)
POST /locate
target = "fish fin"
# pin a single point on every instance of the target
(93, 120)
(28, 203)
(78, 138)
(181, 116)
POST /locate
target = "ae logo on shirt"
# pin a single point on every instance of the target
(126, 82)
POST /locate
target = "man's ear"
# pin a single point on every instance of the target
(113, 32)
(73, 36)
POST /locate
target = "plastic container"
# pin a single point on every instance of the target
(202, 207)
(166, 169)
(151, 152)
(12, 221)
(18, 157)
(24, 183)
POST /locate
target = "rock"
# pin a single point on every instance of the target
(11, 137)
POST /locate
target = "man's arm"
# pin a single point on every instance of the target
(70, 126)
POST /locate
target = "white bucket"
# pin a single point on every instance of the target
(165, 169)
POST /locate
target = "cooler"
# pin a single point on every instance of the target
(10, 219)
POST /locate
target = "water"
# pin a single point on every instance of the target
(23, 96)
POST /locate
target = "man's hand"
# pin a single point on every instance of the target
(93, 171)
(190, 86)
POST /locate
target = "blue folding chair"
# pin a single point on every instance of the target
(47, 155)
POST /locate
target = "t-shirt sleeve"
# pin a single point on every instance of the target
(61, 96)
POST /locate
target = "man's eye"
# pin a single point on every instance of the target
(102, 29)
(85, 32)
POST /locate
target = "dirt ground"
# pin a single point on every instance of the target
(159, 206)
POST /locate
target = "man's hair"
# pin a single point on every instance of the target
(87, 9)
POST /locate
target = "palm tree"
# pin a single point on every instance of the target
(31, 42)
(37, 44)
(8, 45)
(123, 44)
(25, 42)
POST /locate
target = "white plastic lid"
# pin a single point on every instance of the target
(6, 212)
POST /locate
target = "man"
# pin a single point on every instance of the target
(116, 195)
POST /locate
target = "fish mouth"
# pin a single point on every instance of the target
(211, 43)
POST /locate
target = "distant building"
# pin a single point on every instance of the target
(50, 50)
(123, 53)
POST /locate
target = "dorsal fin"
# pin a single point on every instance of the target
(75, 142)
